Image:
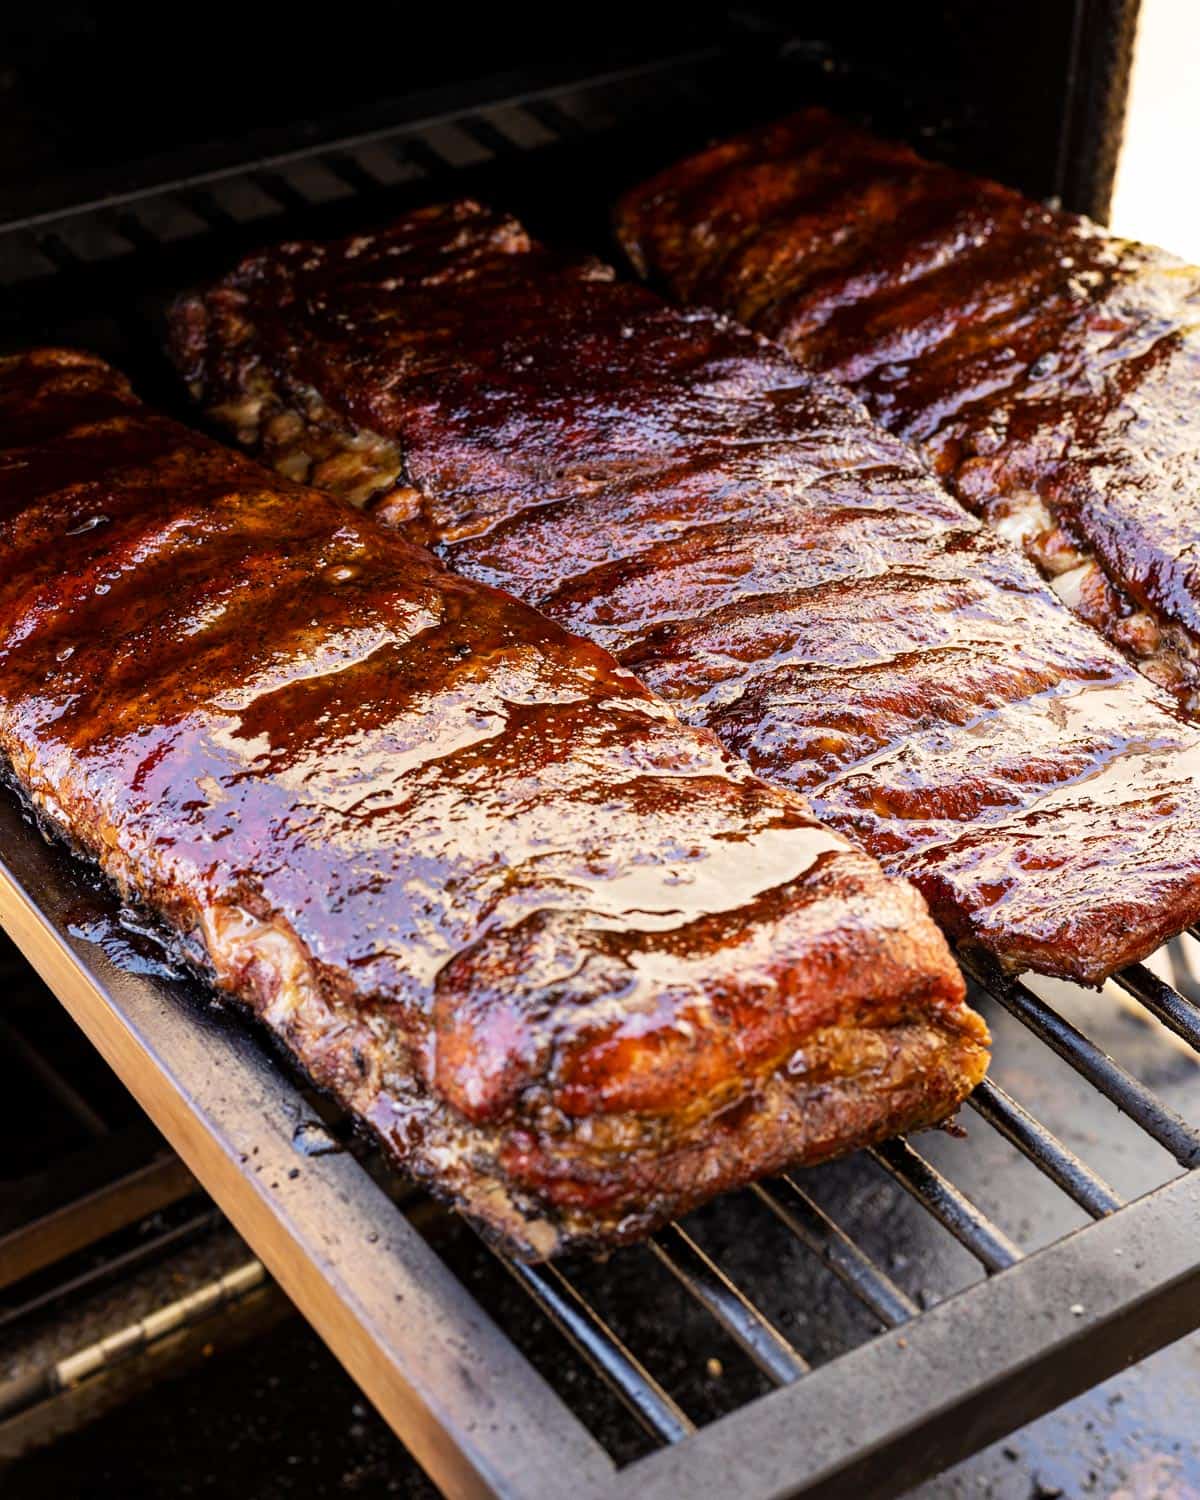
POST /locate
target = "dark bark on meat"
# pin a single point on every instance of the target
(741, 534)
(1047, 370)
(574, 965)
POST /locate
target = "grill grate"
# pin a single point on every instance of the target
(759, 1339)
(1116, 1083)
(108, 230)
(1044, 1150)
(931, 1409)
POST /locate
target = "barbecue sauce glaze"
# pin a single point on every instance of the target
(1047, 370)
(577, 967)
(740, 534)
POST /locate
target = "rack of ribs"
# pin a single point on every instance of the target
(1047, 370)
(745, 538)
(575, 966)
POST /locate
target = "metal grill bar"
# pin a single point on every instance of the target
(74, 1225)
(133, 1339)
(1183, 978)
(202, 203)
(1130, 1096)
(1044, 1149)
(882, 1417)
(592, 1338)
(564, 111)
(128, 227)
(852, 1266)
(622, 1372)
(406, 1329)
(57, 252)
(276, 187)
(758, 1337)
(969, 1226)
(115, 1268)
(1163, 1002)
(562, 126)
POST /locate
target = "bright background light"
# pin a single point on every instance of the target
(1156, 197)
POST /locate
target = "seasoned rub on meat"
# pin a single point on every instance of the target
(745, 538)
(1047, 369)
(577, 968)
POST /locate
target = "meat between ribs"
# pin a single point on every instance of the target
(1048, 370)
(745, 538)
(576, 967)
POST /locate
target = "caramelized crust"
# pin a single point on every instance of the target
(745, 538)
(1047, 370)
(576, 967)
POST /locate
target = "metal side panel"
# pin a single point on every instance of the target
(473, 1411)
(967, 1372)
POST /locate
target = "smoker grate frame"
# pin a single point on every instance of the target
(1042, 1326)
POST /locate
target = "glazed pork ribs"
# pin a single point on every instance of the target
(577, 968)
(1048, 370)
(745, 538)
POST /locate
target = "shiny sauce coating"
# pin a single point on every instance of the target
(1048, 370)
(744, 537)
(556, 947)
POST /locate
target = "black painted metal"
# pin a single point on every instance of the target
(22, 1055)
(1094, 106)
(109, 227)
(972, 1228)
(1044, 1149)
(621, 1371)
